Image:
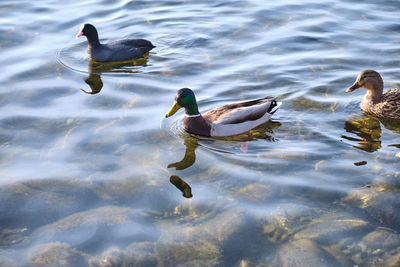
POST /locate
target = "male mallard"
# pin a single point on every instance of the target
(228, 120)
(375, 102)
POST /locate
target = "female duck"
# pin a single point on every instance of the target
(122, 50)
(375, 102)
(227, 120)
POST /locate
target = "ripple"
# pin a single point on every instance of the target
(112, 147)
(74, 57)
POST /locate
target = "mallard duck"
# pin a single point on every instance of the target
(375, 102)
(227, 120)
(122, 50)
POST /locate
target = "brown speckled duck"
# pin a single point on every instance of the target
(375, 102)
(227, 120)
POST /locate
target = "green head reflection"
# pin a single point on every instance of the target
(181, 185)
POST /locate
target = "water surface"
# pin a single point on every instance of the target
(91, 170)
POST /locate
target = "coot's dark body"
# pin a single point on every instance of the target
(115, 51)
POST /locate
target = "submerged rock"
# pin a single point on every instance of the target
(377, 246)
(57, 254)
(199, 241)
(257, 192)
(98, 226)
(21, 203)
(393, 261)
(140, 254)
(287, 219)
(331, 228)
(379, 202)
(10, 237)
(380, 239)
(121, 189)
(189, 253)
(8, 262)
(137, 254)
(304, 253)
(109, 258)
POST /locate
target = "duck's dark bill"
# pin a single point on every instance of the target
(173, 110)
(354, 87)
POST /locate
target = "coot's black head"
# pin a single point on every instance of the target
(89, 31)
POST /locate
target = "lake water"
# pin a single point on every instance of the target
(103, 179)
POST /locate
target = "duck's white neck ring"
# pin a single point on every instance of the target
(192, 116)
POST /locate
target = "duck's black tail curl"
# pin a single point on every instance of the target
(272, 106)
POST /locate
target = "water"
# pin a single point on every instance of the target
(102, 178)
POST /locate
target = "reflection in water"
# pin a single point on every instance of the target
(95, 83)
(191, 143)
(245, 145)
(181, 185)
(188, 160)
(391, 124)
(368, 128)
(97, 68)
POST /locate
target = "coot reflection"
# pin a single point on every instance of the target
(95, 70)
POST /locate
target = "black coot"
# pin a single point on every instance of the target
(116, 51)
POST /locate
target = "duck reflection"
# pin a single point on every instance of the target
(191, 144)
(369, 131)
(182, 186)
(95, 70)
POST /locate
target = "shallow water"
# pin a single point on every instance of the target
(102, 178)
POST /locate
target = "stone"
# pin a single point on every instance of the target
(198, 239)
(304, 253)
(7, 262)
(140, 254)
(378, 202)
(287, 219)
(393, 261)
(12, 236)
(109, 258)
(108, 224)
(257, 192)
(381, 238)
(57, 255)
(331, 228)
(38, 197)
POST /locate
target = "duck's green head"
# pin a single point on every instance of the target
(184, 98)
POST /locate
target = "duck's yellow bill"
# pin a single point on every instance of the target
(173, 110)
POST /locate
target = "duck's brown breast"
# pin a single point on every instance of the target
(197, 125)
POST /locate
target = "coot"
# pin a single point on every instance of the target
(115, 51)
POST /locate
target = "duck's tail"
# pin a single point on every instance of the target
(274, 107)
